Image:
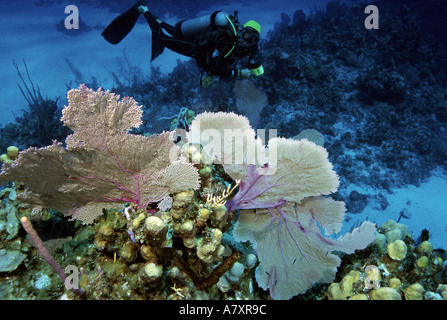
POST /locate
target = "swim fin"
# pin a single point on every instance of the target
(118, 29)
(157, 46)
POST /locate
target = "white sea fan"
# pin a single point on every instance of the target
(165, 204)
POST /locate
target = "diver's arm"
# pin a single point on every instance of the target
(221, 71)
(245, 73)
(229, 72)
(217, 68)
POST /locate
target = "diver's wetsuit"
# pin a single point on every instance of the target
(213, 62)
(173, 43)
(216, 50)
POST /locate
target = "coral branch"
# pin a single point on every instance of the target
(44, 252)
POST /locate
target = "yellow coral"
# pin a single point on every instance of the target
(397, 250)
(203, 216)
(374, 275)
(395, 283)
(4, 158)
(210, 249)
(10, 155)
(182, 198)
(344, 289)
(361, 296)
(422, 262)
(394, 231)
(12, 152)
(425, 247)
(414, 292)
(385, 294)
(438, 261)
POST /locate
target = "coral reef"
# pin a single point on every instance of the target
(394, 267)
(323, 75)
(187, 230)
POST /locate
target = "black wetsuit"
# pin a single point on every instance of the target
(217, 56)
(212, 59)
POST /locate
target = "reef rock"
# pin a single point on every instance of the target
(10, 260)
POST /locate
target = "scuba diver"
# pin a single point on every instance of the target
(216, 41)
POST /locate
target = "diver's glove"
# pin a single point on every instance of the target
(244, 73)
(143, 9)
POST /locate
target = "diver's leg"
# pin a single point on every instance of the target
(153, 22)
(172, 43)
(169, 29)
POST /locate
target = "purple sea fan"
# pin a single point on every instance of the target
(292, 252)
(103, 165)
(302, 170)
(281, 214)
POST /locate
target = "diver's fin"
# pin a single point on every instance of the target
(121, 26)
(157, 46)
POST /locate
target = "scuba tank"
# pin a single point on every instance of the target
(192, 27)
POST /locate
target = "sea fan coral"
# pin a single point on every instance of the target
(282, 206)
(302, 170)
(228, 139)
(288, 208)
(292, 252)
(103, 165)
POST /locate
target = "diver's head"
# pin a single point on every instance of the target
(248, 37)
(251, 31)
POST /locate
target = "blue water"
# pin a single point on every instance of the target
(36, 34)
